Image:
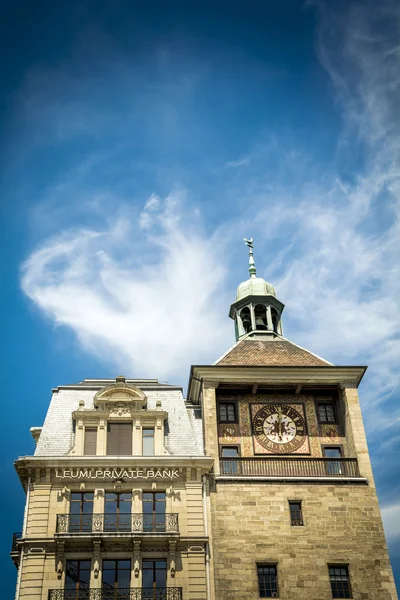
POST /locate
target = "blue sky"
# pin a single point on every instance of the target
(141, 141)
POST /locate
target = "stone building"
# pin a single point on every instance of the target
(258, 485)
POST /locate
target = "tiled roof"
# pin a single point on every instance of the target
(269, 353)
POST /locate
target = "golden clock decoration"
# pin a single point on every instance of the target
(279, 428)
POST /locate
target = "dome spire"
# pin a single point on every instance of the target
(252, 264)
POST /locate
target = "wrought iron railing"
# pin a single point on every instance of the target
(118, 523)
(14, 546)
(164, 593)
(278, 466)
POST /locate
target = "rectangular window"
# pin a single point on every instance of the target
(116, 575)
(148, 441)
(296, 514)
(154, 504)
(267, 581)
(340, 581)
(90, 443)
(81, 511)
(229, 467)
(77, 578)
(154, 573)
(227, 412)
(117, 511)
(326, 413)
(334, 466)
(119, 439)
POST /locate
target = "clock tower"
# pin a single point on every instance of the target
(293, 509)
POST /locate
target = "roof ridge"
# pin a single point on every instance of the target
(309, 351)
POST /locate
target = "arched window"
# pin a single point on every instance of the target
(275, 320)
(246, 319)
(260, 314)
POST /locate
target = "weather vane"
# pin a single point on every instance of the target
(252, 265)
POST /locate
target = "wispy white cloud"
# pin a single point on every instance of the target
(146, 310)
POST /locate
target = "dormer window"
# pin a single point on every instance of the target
(119, 439)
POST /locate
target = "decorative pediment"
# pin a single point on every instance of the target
(120, 399)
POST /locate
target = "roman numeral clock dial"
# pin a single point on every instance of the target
(279, 428)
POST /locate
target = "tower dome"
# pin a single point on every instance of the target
(256, 311)
(255, 286)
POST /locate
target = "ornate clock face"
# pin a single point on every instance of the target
(279, 428)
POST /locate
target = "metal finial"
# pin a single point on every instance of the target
(252, 265)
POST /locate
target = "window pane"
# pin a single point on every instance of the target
(228, 451)
(230, 412)
(332, 452)
(267, 581)
(340, 584)
(330, 413)
(296, 516)
(222, 413)
(148, 442)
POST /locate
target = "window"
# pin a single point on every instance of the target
(229, 467)
(296, 515)
(119, 439)
(148, 442)
(90, 443)
(227, 412)
(154, 574)
(116, 575)
(81, 511)
(77, 578)
(340, 582)
(326, 413)
(267, 581)
(334, 466)
(154, 511)
(117, 515)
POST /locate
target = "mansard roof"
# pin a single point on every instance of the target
(271, 352)
(183, 432)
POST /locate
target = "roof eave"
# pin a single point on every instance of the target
(345, 375)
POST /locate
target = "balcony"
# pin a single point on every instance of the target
(280, 467)
(105, 523)
(164, 593)
(15, 550)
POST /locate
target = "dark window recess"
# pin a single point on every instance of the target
(90, 444)
(116, 574)
(119, 439)
(227, 412)
(296, 514)
(77, 577)
(267, 581)
(340, 582)
(326, 413)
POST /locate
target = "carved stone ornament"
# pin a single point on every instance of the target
(96, 557)
(60, 554)
(120, 399)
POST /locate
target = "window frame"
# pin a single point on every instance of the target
(262, 565)
(340, 566)
(152, 429)
(226, 402)
(112, 422)
(332, 403)
(300, 522)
